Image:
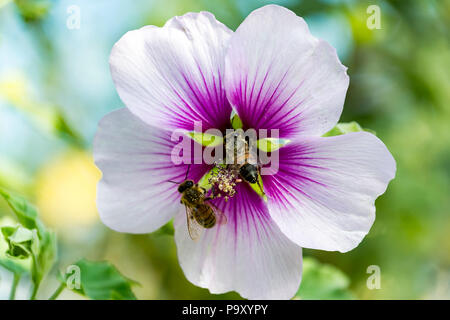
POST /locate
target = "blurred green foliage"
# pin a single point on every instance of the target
(343, 128)
(41, 245)
(32, 10)
(323, 281)
(399, 87)
(102, 281)
(30, 239)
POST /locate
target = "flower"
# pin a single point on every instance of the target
(275, 75)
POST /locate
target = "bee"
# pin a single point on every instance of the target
(243, 164)
(200, 212)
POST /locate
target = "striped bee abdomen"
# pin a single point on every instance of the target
(205, 216)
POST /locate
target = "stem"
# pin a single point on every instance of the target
(36, 281)
(34, 293)
(12, 294)
(55, 295)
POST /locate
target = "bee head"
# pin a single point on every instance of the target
(249, 172)
(185, 185)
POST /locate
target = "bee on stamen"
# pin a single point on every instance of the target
(244, 166)
(200, 212)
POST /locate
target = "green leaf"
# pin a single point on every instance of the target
(271, 144)
(44, 253)
(46, 256)
(14, 266)
(206, 139)
(236, 122)
(102, 281)
(25, 212)
(204, 181)
(323, 281)
(259, 190)
(346, 127)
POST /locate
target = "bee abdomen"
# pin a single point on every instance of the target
(205, 217)
(210, 221)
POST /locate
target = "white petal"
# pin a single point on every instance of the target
(324, 192)
(172, 76)
(135, 159)
(278, 76)
(249, 254)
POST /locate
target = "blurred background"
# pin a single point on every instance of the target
(55, 86)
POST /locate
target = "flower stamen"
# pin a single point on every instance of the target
(223, 182)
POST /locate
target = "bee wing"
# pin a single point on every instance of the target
(195, 230)
(221, 218)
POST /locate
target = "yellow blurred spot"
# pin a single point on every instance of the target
(15, 89)
(4, 3)
(66, 191)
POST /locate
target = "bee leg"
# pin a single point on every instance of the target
(211, 197)
(212, 194)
